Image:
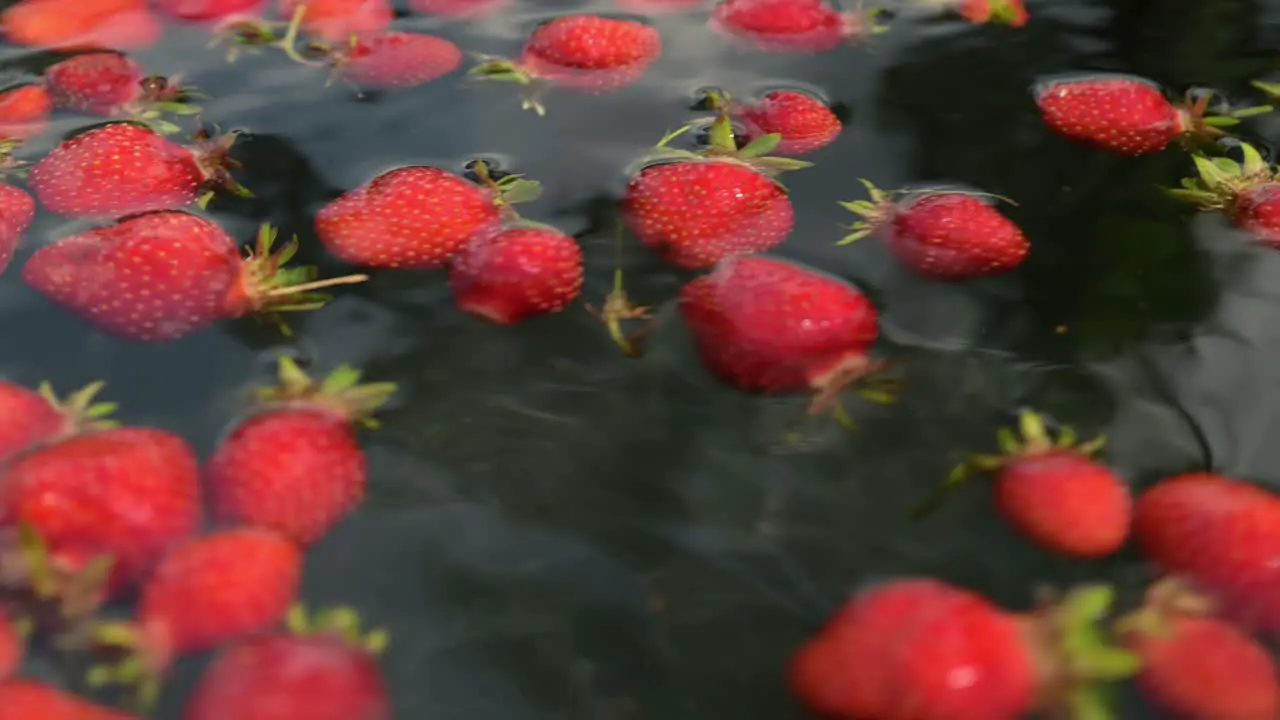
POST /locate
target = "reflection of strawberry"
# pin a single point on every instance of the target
(338, 20)
(81, 24)
(296, 466)
(803, 121)
(24, 112)
(29, 418)
(791, 25)
(17, 210)
(395, 60)
(30, 699)
(112, 85)
(320, 670)
(515, 271)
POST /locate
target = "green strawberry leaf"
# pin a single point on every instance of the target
(1272, 89)
(1211, 173)
(1227, 165)
(761, 146)
(861, 207)
(1088, 702)
(521, 191)
(1251, 111)
(860, 230)
(1253, 165)
(1220, 121)
(779, 164)
(1197, 197)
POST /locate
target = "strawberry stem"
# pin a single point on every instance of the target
(289, 290)
(618, 307)
(289, 42)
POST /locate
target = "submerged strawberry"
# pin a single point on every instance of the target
(24, 112)
(81, 24)
(124, 168)
(1248, 192)
(792, 25)
(1125, 114)
(804, 123)
(17, 210)
(26, 699)
(587, 53)
(113, 85)
(516, 271)
(320, 669)
(31, 418)
(338, 20)
(395, 60)
(941, 235)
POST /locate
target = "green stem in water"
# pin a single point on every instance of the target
(289, 42)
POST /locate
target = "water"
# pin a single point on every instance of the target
(557, 532)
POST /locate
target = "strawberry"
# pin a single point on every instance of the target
(586, 53)
(209, 590)
(409, 218)
(995, 12)
(81, 24)
(457, 9)
(162, 275)
(207, 10)
(29, 418)
(24, 112)
(1053, 492)
(792, 25)
(111, 84)
(1124, 114)
(30, 699)
(515, 271)
(12, 645)
(338, 20)
(59, 490)
(658, 7)
(770, 326)
(1222, 534)
(1248, 192)
(295, 465)
(941, 235)
(17, 210)
(395, 60)
(804, 122)
(319, 670)
(125, 168)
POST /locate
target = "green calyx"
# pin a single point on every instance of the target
(270, 288)
(343, 622)
(874, 212)
(75, 594)
(500, 69)
(135, 670)
(1003, 12)
(339, 392)
(1197, 127)
(1219, 180)
(79, 410)
(509, 190)
(1166, 600)
(722, 146)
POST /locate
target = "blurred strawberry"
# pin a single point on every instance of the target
(29, 418)
(81, 24)
(1125, 114)
(516, 271)
(1247, 192)
(792, 25)
(804, 123)
(395, 60)
(58, 491)
(17, 210)
(111, 84)
(162, 275)
(209, 590)
(457, 9)
(338, 20)
(295, 465)
(321, 669)
(31, 699)
(941, 235)
(586, 53)
(12, 645)
(24, 112)
(124, 168)
(207, 10)
(659, 7)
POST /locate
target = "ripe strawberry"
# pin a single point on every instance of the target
(320, 671)
(24, 112)
(1124, 114)
(17, 210)
(124, 168)
(112, 85)
(338, 20)
(59, 490)
(804, 122)
(207, 10)
(586, 53)
(395, 60)
(1055, 493)
(770, 326)
(408, 218)
(29, 418)
(295, 465)
(1247, 192)
(81, 24)
(1220, 533)
(996, 12)
(29, 699)
(209, 590)
(515, 271)
(457, 9)
(792, 25)
(941, 235)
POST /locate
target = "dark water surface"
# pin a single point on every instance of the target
(558, 532)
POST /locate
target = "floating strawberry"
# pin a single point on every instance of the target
(29, 699)
(30, 418)
(412, 217)
(1247, 192)
(894, 652)
(338, 20)
(17, 210)
(792, 25)
(24, 112)
(210, 590)
(803, 122)
(124, 168)
(58, 490)
(81, 24)
(321, 669)
(295, 465)
(207, 10)
(586, 53)
(111, 84)
(941, 235)
(159, 276)
(1127, 115)
(1223, 535)
(395, 60)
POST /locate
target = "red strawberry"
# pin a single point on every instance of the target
(1247, 192)
(997, 12)
(35, 417)
(320, 671)
(804, 122)
(1222, 534)
(769, 326)
(791, 25)
(1123, 114)
(409, 218)
(457, 9)
(124, 168)
(81, 24)
(1053, 492)
(587, 53)
(209, 590)
(515, 271)
(338, 20)
(17, 210)
(30, 699)
(205, 10)
(395, 60)
(941, 235)
(112, 85)
(295, 466)
(24, 112)
(129, 493)
(162, 275)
